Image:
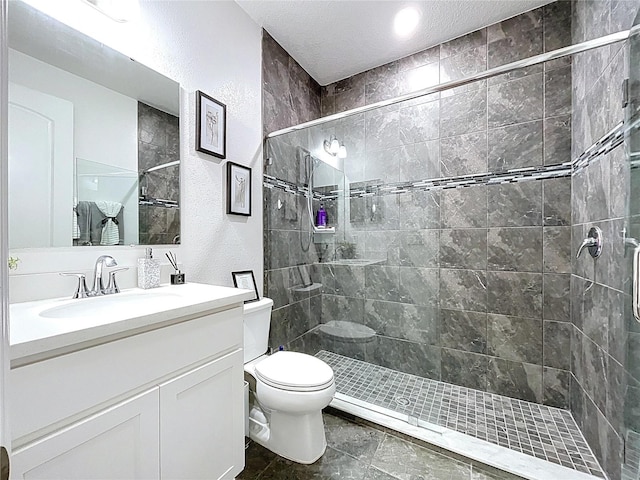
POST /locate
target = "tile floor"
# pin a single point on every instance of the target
(544, 432)
(357, 451)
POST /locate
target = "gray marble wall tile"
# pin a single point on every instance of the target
(615, 394)
(461, 65)
(352, 98)
(289, 322)
(465, 42)
(516, 101)
(557, 344)
(557, 22)
(464, 154)
(515, 339)
(463, 290)
(463, 330)
(391, 87)
(420, 78)
(555, 387)
(515, 249)
(516, 38)
(424, 57)
(556, 245)
(419, 210)
(337, 307)
(464, 207)
(514, 293)
(594, 303)
(382, 283)
(400, 320)
(557, 140)
(463, 113)
(593, 371)
(383, 130)
(310, 343)
(515, 379)
(463, 248)
(557, 92)
(277, 287)
(419, 161)
(419, 123)
(464, 368)
(419, 248)
(515, 204)
(409, 357)
(619, 311)
(419, 286)
(348, 280)
(515, 146)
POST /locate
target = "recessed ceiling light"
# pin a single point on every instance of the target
(406, 21)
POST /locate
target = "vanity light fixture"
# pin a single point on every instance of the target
(120, 11)
(406, 21)
(334, 148)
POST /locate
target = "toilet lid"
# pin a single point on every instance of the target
(294, 371)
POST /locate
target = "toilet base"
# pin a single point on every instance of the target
(299, 438)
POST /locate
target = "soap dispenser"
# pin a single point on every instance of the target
(148, 271)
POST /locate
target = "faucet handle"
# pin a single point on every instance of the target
(112, 286)
(81, 289)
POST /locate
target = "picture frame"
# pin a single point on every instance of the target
(211, 125)
(245, 279)
(238, 189)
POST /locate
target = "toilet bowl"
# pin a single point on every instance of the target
(290, 390)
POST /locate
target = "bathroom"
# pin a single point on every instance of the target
(482, 281)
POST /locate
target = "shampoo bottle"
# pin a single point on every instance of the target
(321, 217)
(148, 271)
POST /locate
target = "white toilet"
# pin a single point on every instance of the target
(291, 389)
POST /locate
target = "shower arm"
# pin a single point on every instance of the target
(493, 72)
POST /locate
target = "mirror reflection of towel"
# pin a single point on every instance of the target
(110, 230)
(90, 219)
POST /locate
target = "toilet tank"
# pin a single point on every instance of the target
(257, 320)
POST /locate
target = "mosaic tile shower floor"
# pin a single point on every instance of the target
(543, 432)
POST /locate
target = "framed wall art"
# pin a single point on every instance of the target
(238, 189)
(211, 126)
(246, 280)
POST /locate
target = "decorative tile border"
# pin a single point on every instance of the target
(544, 432)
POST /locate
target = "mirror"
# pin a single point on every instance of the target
(94, 141)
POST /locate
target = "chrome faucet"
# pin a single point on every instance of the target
(98, 284)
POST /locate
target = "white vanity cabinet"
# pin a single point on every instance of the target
(164, 402)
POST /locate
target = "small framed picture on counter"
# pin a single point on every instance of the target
(246, 280)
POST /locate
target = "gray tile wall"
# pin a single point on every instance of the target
(158, 143)
(600, 288)
(474, 284)
(290, 97)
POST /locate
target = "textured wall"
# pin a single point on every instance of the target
(176, 39)
(600, 288)
(473, 283)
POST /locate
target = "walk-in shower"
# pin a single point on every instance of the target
(443, 292)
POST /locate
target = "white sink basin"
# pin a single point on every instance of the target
(107, 306)
(45, 328)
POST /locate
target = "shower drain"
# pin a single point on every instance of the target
(404, 401)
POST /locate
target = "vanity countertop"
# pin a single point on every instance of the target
(48, 328)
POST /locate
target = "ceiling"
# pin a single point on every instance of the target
(334, 39)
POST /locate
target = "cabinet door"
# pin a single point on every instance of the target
(202, 422)
(120, 442)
